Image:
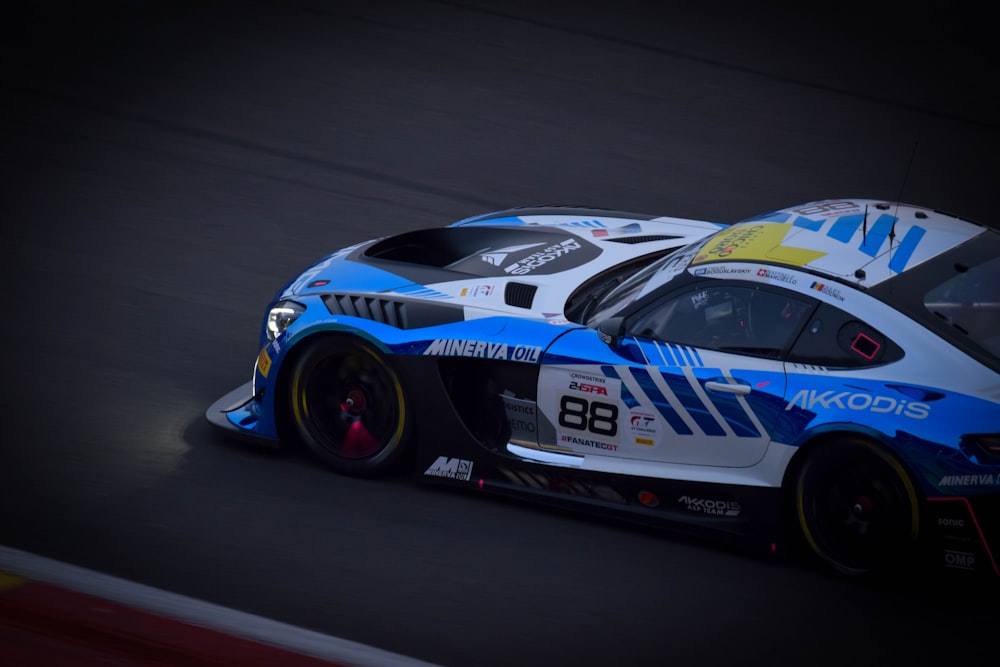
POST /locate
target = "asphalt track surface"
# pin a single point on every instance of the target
(166, 166)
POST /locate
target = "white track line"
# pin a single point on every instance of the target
(198, 612)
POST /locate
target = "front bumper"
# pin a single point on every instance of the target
(237, 413)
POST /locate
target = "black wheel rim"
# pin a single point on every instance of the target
(349, 404)
(858, 512)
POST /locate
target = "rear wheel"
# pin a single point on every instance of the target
(347, 406)
(857, 507)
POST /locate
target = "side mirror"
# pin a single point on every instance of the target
(611, 330)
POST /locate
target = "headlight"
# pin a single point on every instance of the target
(281, 316)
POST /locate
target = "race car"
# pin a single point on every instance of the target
(825, 375)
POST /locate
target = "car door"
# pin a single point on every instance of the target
(697, 379)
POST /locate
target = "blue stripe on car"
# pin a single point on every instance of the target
(877, 235)
(906, 247)
(808, 223)
(844, 227)
(646, 383)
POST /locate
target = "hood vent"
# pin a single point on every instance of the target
(519, 295)
(647, 238)
(398, 313)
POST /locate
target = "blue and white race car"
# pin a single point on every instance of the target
(827, 374)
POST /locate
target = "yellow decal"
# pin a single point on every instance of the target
(263, 362)
(756, 242)
(9, 581)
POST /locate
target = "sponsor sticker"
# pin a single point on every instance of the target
(533, 261)
(810, 399)
(585, 377)
(708, 506)
(642, 425)
(481, 349)
(588, 383)
(567, 439)
(982, 479)
(777, 276)
(828, 208)
(588, 387)
(828, 290)
(959, 560)
(450, 468)
(727, 243)
(720, 270)
(477, 291)
(522, 417)
(497, 257)
(263, 362)
(761, 241)
(699, 299)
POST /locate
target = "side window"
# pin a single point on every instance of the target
(838, 339)
(970, 302)
(745, 319)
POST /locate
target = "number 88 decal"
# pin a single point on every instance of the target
(593, 416)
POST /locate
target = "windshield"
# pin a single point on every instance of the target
(643, 282)
(621, 296)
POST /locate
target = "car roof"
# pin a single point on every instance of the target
(861, 241)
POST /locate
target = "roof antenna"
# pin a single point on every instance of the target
(902, 187)
(864, 227)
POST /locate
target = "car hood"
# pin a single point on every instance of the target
(525, 265)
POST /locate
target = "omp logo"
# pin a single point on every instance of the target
(961, 560)
(450, 468)
(542, 257)
(810, 399)
(497, 257)
(714, 507)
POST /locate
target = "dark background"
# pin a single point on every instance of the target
(167, 165)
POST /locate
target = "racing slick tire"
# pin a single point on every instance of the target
(347, 406)
(857, 508)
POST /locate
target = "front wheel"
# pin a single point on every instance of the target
(857, 508)
(347, 406)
